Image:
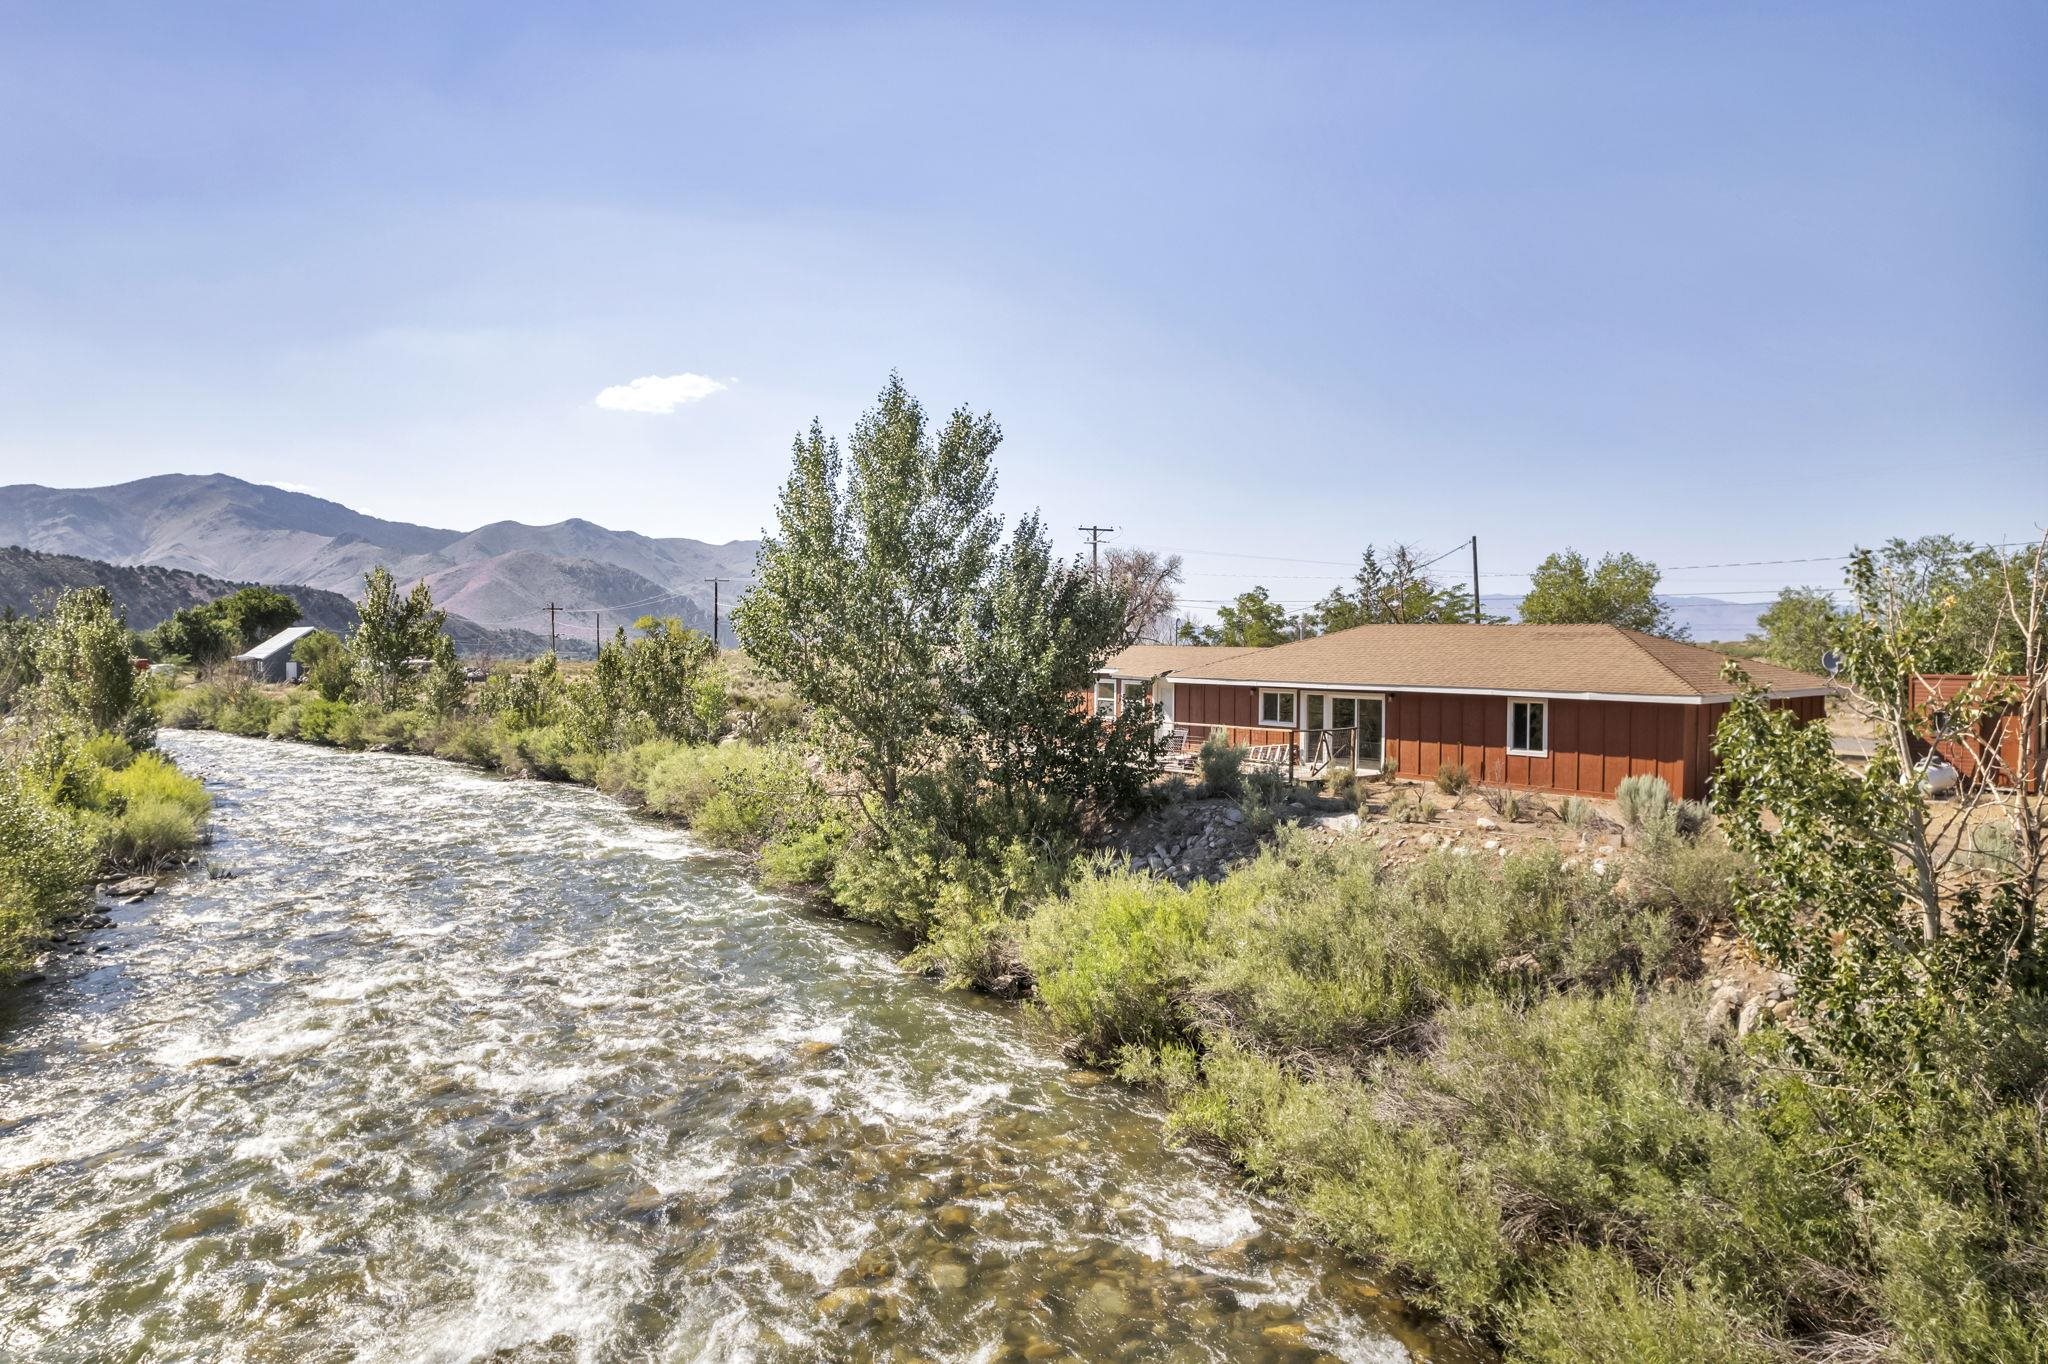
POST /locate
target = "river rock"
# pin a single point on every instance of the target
(953, 1217)
(1484, 823)
(947, 1276)
(1723, 1006)
(811, 1050)
(1286, 1336)
(130, 888)
(1752, 1014)
(842, 1302)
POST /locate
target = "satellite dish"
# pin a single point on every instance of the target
(1832, 662)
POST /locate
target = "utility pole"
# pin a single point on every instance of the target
(1475, 580)
(597, 632)
(714, 608)
(1095, 534)
(551, 608)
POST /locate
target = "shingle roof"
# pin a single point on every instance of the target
(1154, 660)
(283, 639)
(1556, 660)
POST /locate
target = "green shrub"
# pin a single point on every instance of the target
(805, 856)
(150, 833)
(1453, 778)
(1644, 802)
(1340, 783)
(1410, 805)
(1578, 812)
(1593, 1307)
(152, 778)
(552, 753)
(1692, 818)
(463, 740)
(1114, 959)
(1992, 850)
(45, 861)
(1503, 802)
(321, 720)
(1221, 763)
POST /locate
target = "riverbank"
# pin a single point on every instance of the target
(75, 813)
(1502, 1077)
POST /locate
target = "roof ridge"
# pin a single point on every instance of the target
(1639, 638)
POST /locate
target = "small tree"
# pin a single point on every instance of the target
(665, 679)
(394, 631)
(1253, 621)
(325, 665)
(82, 662)
(1799, 628)
(1620, 590)
(1029, 645)
(254, 614)
(1395, 589)
(1867, 893)
(447, 682)
(197, 634)
(859, 590)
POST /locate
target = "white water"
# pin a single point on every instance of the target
(460, 1069)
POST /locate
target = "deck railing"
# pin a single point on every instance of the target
(1296, 752)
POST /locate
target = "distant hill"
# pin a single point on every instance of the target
(147, 595)
(227, 528)
(1706, 617)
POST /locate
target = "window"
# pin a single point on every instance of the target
(1276, 708)
(1525, 728)
(1105, 697)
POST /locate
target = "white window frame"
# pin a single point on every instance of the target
(1542, 704)
(1105, 706)
(1293, 709)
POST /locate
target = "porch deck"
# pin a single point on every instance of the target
(1296, 752)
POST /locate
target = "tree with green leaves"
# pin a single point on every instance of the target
(197, 634)
(1902, 936)
(1253, 621)
(1969, 583)
(84, 672)
(1030, 644)
(393, 631)
(254, 614)
(1620, 590)
(1799, 628)
(666, 680)
(325, 665)
(861, 587)
(1395, 589)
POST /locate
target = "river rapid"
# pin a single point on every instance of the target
(436, 1066)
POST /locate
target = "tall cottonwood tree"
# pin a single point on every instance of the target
(1620, 590)
(860, 590)
(394, 630)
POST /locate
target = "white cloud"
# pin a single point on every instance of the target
(658, 392)
(305, 488)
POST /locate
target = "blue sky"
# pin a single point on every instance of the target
(1711, 283)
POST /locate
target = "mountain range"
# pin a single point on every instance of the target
(1705, 618)
(146, 595)
(498, 577)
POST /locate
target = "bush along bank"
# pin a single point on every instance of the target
(82, 796)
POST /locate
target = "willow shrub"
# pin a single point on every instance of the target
(45, 860)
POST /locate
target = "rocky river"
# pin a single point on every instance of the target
(426, 1065)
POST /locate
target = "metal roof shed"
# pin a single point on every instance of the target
(271, 661)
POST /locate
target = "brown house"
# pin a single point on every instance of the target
(1565, 708)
